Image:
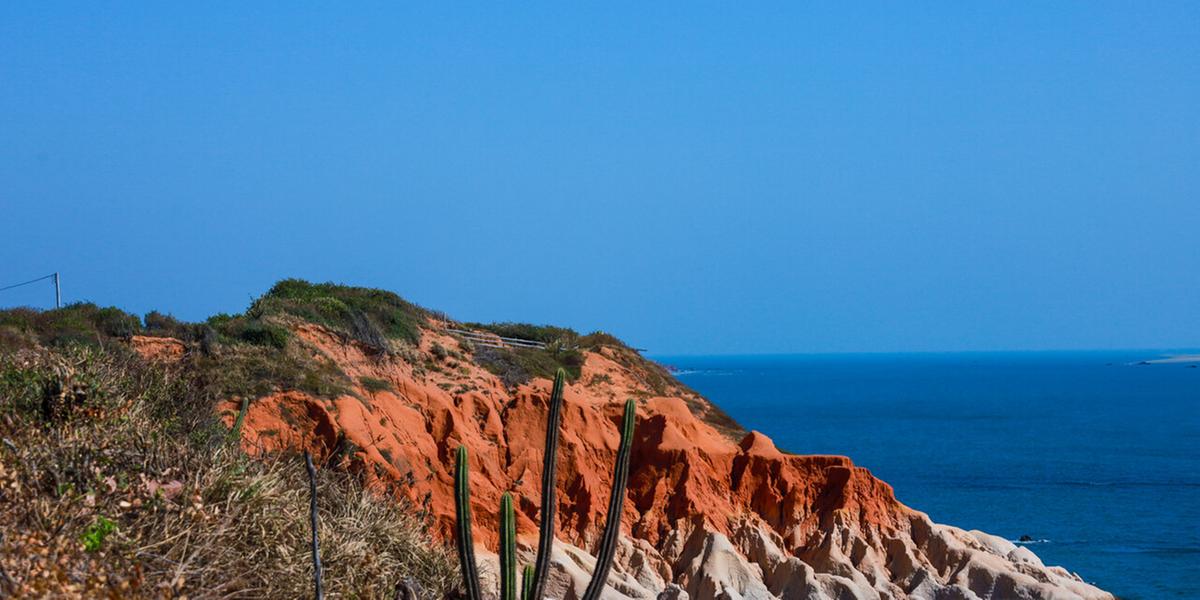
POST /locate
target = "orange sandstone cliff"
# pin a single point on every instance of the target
(711, 512)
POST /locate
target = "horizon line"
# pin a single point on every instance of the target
(1165, 351)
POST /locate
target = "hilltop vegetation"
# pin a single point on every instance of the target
(246, 354)
(117, 480)
(370, 316)
(373, 317)
(256, 354)
(79, 323)
(253, 353)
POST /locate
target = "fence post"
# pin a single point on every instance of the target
(312, 508)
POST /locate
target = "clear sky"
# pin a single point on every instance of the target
(696, 178)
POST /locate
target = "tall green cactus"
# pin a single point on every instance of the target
(533, 583)
(541, 569)
(508, 549)
(463, 537)
(616, 503)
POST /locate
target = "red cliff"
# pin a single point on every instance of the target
(711, 511)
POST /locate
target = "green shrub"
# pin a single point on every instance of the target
(597, 339)
(67, 326)
(116, 322)
(241, 368)
(21, 318)
(78, 323)
(220, 320)
(546, 334)
(265, 334)
(93, 537)
(162, 325)
(515, 366)
(600, 379)
(373, 384)
(369, 315)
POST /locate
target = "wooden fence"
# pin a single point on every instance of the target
(491, 340)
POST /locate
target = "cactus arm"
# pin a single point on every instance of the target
(463, 537)
(236, 431)
(527, 583)
(541, 569)
(616, 503)
(508, 549)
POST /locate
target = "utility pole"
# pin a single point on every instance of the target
(57, 287)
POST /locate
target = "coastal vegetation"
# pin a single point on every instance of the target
(256, 348)
(117, 479)
(371, 316)
(253, 353)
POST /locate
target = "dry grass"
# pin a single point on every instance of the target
(116, 480)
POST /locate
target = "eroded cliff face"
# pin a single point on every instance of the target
(711, 512)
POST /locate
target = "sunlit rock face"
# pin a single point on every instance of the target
(711, 511)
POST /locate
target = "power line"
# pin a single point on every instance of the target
(28, 282)
(57, 287)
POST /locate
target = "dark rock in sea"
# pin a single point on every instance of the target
(1026, 538)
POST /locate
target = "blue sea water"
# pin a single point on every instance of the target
(1093, 455)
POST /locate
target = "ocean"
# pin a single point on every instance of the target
(1092, 455)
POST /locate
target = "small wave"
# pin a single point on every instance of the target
(1158, 550)
(1118, 548)
(1037, 484)
(680, 372)
(1128, 484)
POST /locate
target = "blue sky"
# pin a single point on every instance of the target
(696, 178)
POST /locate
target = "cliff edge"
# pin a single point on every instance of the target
(712, 511)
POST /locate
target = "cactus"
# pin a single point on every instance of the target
(541, 569)
(527, 583)
(236, 431)
(534, 578)
(616, 502)
(508, 549)
(463, 537)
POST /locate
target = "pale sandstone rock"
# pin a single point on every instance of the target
(673, 592)
(571, 570)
